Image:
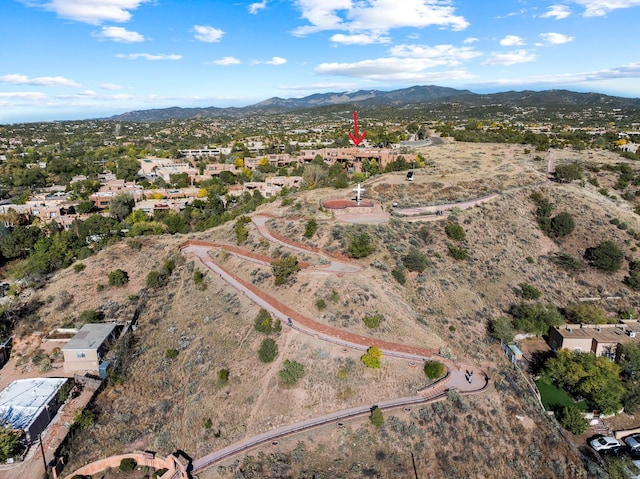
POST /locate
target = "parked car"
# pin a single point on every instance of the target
(605, 442)
(633, 441)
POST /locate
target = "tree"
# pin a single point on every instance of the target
(415, 260)
(568, 172)
(264, 323)
(455, 231)
(118, 277)
(121, 206)
(284, 268)
(529, 292)
(607, 256)
(434, 369)
(310, 228)
(268, 350)
(572, 419)
(128, 464)
(240, 229)
(535, 318)
(584, 313)
(372, 358)
(10, 443)
(502, 329)
(360, 246)
(291, 373)
(376, 417)
(562, 225)
(20, 241)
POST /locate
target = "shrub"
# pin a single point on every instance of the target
(562, 225)
(529, 292)
(607, 256)
(376, 417)
(284, 268)
(264, 323)
(572, 419)
(584, 313)
(310, 228)
(566, 261)
(373, 321)
(458, 253)
(78, 267)
(372, 357)
(398, 275)
(90, 316)
(118, 277)
(360, 246)
(128, 464)
(291, 372)
(415, 260)
(321, 304)
(100, 287)
(157, 280)
(171, 353)
(434, 369)
(334, 297)
(455, 231)
(240, 229)
(198, 279)
(223, 376)
(268, 350)
(536, 318)
(568, 172)
(208, 423)
(502, 329)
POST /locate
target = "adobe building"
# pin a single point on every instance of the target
(598, 339)
(353, 157)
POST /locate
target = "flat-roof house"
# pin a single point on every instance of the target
(84, 352)
(30, 404)
(599, 339)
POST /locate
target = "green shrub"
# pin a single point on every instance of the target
(373, 321)
(264, 323)
(455, 231)
(321, 304)
(284, 268)
(529, 292)
(360, 246)
(562, 225)
(584, 313)
(118, 277)
(572, 419)
(198, 279)
(157, 280)
(535, 318)
(568, 172)
(334, 297)
(434, 369)
(90, 316)
(223, 376)
(398, 275)
(171, 353)
(607, 256)
(502, 329)
(208, 423)
(566, 261)
(128, 464)
(376, 417)
(310, 228)
(291, 373)
(372, 358)
(78, 267)
(268, 350)
(100, 287)
(458, 253)
(415, 260)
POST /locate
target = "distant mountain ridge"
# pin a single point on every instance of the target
(425, 94)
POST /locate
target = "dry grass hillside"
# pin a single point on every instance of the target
(168, 403)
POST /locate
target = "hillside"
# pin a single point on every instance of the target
(166, 403)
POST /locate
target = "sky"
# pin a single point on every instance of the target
(79, 59)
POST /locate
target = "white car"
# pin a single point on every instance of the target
(633, 442)
(604, 443)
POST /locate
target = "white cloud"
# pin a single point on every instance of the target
(148, 56)
(207, 34)
(391, 69)
(511, 41)
(377, 16)
(24, 95)
(119, 34)
(598, 8)
(256, 7)
(359, 39)
(111, 86)
(17, 79)
(556, 38)
(557, 11)
(87, 93)
(227, 61)
(470, 40)
(94, 12)
(275, 61)
(510, 58)
(436, 55)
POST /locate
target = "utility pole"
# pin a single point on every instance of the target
(44, 459)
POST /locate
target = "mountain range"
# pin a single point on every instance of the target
(415, 95)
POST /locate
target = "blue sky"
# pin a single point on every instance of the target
(75, 59)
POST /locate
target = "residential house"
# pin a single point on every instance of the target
(86, 350)
(599, 339)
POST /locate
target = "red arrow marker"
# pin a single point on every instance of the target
(355, 136)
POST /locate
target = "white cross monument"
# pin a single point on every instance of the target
(358, 190)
